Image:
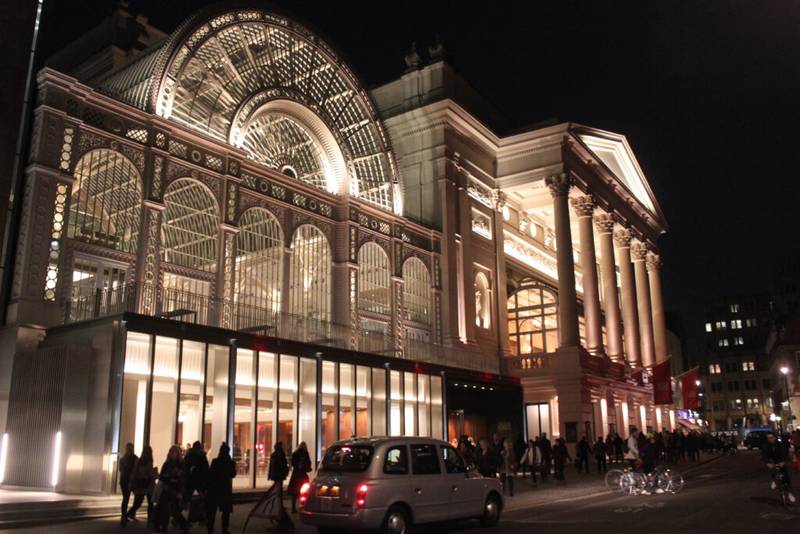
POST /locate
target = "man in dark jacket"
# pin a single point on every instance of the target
(560, 457)
(776, 455)
(547, 455)
(126, 465)
(195, 466)
(600, 451)
(582, 451)
(220, 489)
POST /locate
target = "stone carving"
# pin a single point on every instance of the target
(558, 184)
(583, 205)
(604, 222)
(654, 261)
(639, 251)
(622, 237)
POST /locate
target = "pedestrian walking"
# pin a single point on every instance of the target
(484, 459)
(508, 467)
(142, 484)
(301, 466)
(632, 454)
(547, 455)
(126, 465)
(172, 488)
(195, 476)
(531, 459)
(619, 448)
(600, 455)
(278, 468)
(467, 454)
(560, 457)
(219, 496)
(582, 451)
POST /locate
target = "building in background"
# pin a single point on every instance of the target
(225, 237)
(737, 384)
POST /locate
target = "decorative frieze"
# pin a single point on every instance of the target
(373, 223)
(481, 224)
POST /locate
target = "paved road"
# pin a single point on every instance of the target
(729, 495)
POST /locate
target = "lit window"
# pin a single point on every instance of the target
(738, 340)
(747, 323)
(734, 308)
(708, 327)
(417, 291)
(714, 369)
(748, 366)
(532, 320)
(723, 342)
(736, 324)
(722, 325)
(374, 279)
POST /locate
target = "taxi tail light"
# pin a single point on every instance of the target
(304, 493)
(361, 495)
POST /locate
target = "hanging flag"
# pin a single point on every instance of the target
(662, 385)
(689, 380)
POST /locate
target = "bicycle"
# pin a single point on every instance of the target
(667, 480)
(781, 484)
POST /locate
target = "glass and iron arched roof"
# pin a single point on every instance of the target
(220, 68)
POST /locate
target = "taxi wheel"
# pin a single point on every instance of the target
(396, 522)
(491, 511)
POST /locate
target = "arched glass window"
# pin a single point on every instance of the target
(483, 301)
(310, 274)
(189, 229)
(189, 233)
(259, 264)
(417, 291)
(532, 320)
(106, 203)
(374, 279)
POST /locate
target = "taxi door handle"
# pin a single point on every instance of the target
(418, 491)
(455, 488)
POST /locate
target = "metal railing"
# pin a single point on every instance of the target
(201, 309)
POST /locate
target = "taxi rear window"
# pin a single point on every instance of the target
(347, 458)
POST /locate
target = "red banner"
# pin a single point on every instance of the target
(689, 385)
(662, 385)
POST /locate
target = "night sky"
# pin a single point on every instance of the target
(706, 92)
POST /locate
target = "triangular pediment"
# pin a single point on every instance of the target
(615, 153)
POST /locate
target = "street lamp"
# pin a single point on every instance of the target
(785, 373)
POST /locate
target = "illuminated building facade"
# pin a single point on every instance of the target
(228, 238)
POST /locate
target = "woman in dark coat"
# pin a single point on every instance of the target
(169, 503)
(220, 488)
(142, 483)
(301, 465)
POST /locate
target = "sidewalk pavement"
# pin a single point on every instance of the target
(576, 487)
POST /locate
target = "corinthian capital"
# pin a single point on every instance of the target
(622, 237)
(604, 222)
(639, 251)
(583, 205)
(559, 184)
(499, 198)
(654, 262)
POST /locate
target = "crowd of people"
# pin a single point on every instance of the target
(186, 482)
(543, 458)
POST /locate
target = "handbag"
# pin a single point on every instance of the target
(158, 489)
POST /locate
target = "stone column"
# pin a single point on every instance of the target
(559, 186)
(605, 228)
(639, 255)
(630, 317)
(584, 209)
(657, 304)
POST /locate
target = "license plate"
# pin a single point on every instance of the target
(328, 491)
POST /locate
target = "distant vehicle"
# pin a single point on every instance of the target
(388, 484)
(755, 439)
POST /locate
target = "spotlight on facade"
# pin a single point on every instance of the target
(56, 459)
(785, 370)
(3, 456)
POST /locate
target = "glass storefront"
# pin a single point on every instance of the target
(180, 391)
